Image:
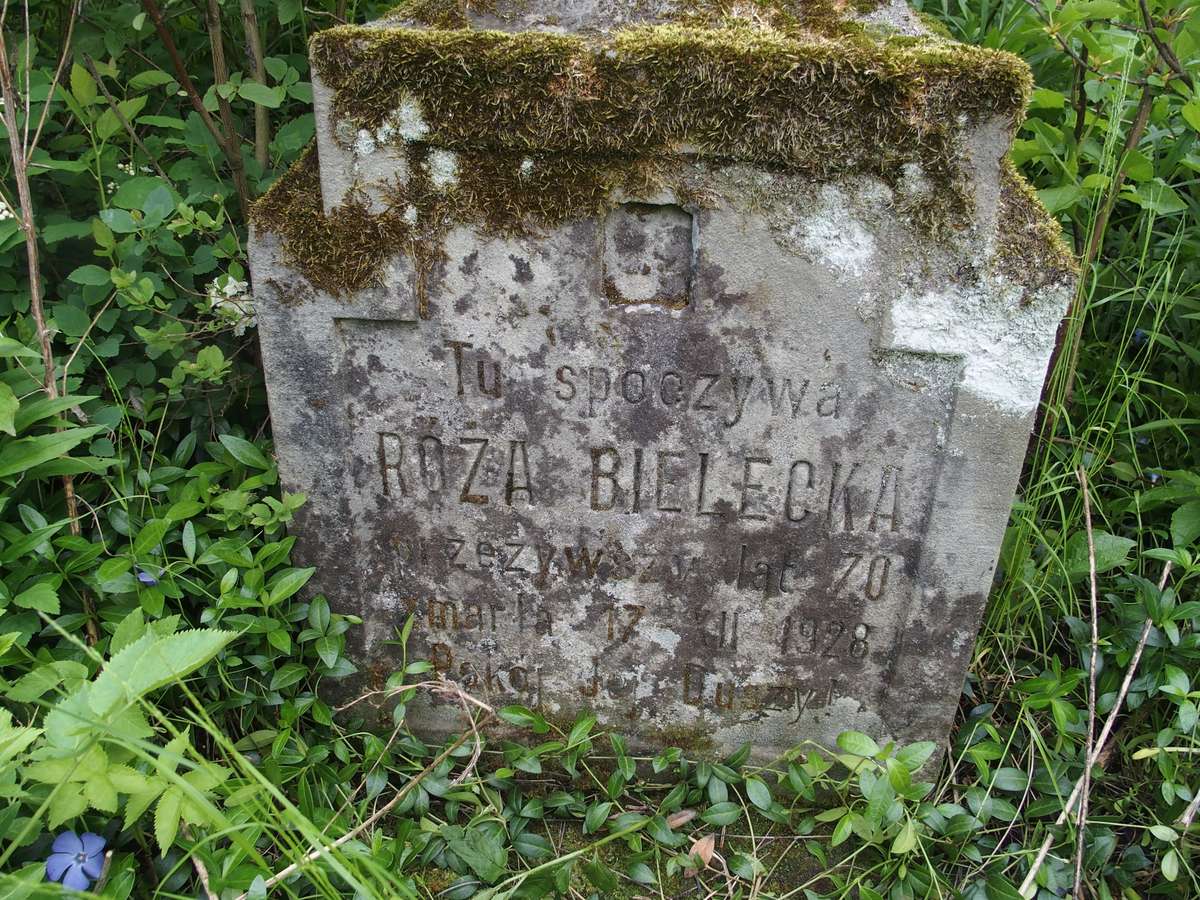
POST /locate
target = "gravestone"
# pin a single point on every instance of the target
(672, 362)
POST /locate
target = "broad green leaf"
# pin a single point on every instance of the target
(244, 451)
(287, 583)
(287, 675)
(1191, 114)
(89, 274)
(1185, 524)
(1059, 198)
(906, 839)
(1111, 552)
(83, 85)
(150, 536)
(261, 94)
(596, 816)
(758, 792)
(41, 596)
(720, 814)
(480, 848)
(108, 124)
(9, 404)
(857, 743)
(148, 79)
(1010, 779)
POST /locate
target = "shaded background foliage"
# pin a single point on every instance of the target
(159, 657)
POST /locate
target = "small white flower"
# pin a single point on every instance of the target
(526, 167)
(5, 211)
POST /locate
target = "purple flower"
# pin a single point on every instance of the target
(146, 578)
(76, 860)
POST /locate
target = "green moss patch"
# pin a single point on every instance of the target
(1031, 251)
(547, 128)
(818, 106)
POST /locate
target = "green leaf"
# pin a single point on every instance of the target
(1185, 524)
(1191, 114)
(596, 816)
(166, 818)
(906, 839)
(286, 583)
(244, 451)
(108, 124)
(150, 536)
(287, 675)
(288, 10)
(90, 274)
(524, 717)
(916, 755)
(9, 404)
(83, 85)
(18, 456)
(1164, 833)
(120, 221)
(42, 597)
(54, 232)
(720, 814)
(759, 793)
(1111, 552)
(1057, 199)
(151, 662)
(261, 94)
(857, 743)
(599, 875)
(1009, 779)
(480, 848)
(532, 846)
(148, 79)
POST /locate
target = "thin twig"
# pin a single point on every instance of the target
(227, 142)
(262, 121)
(1147, 626)
(221, 76)
(1081, 819)
(90, 65)
(1164, 51)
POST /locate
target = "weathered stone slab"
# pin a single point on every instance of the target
(728, 458)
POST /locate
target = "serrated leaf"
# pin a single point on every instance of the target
(42, 597)
(152, 662)
(166, 818)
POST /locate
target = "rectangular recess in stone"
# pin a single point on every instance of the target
(648, 255)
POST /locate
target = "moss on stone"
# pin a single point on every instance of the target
(1031, 251)
(547, 128)
(758, 95)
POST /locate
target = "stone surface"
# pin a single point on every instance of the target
(720, 471)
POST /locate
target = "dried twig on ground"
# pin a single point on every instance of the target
(1100, 742)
